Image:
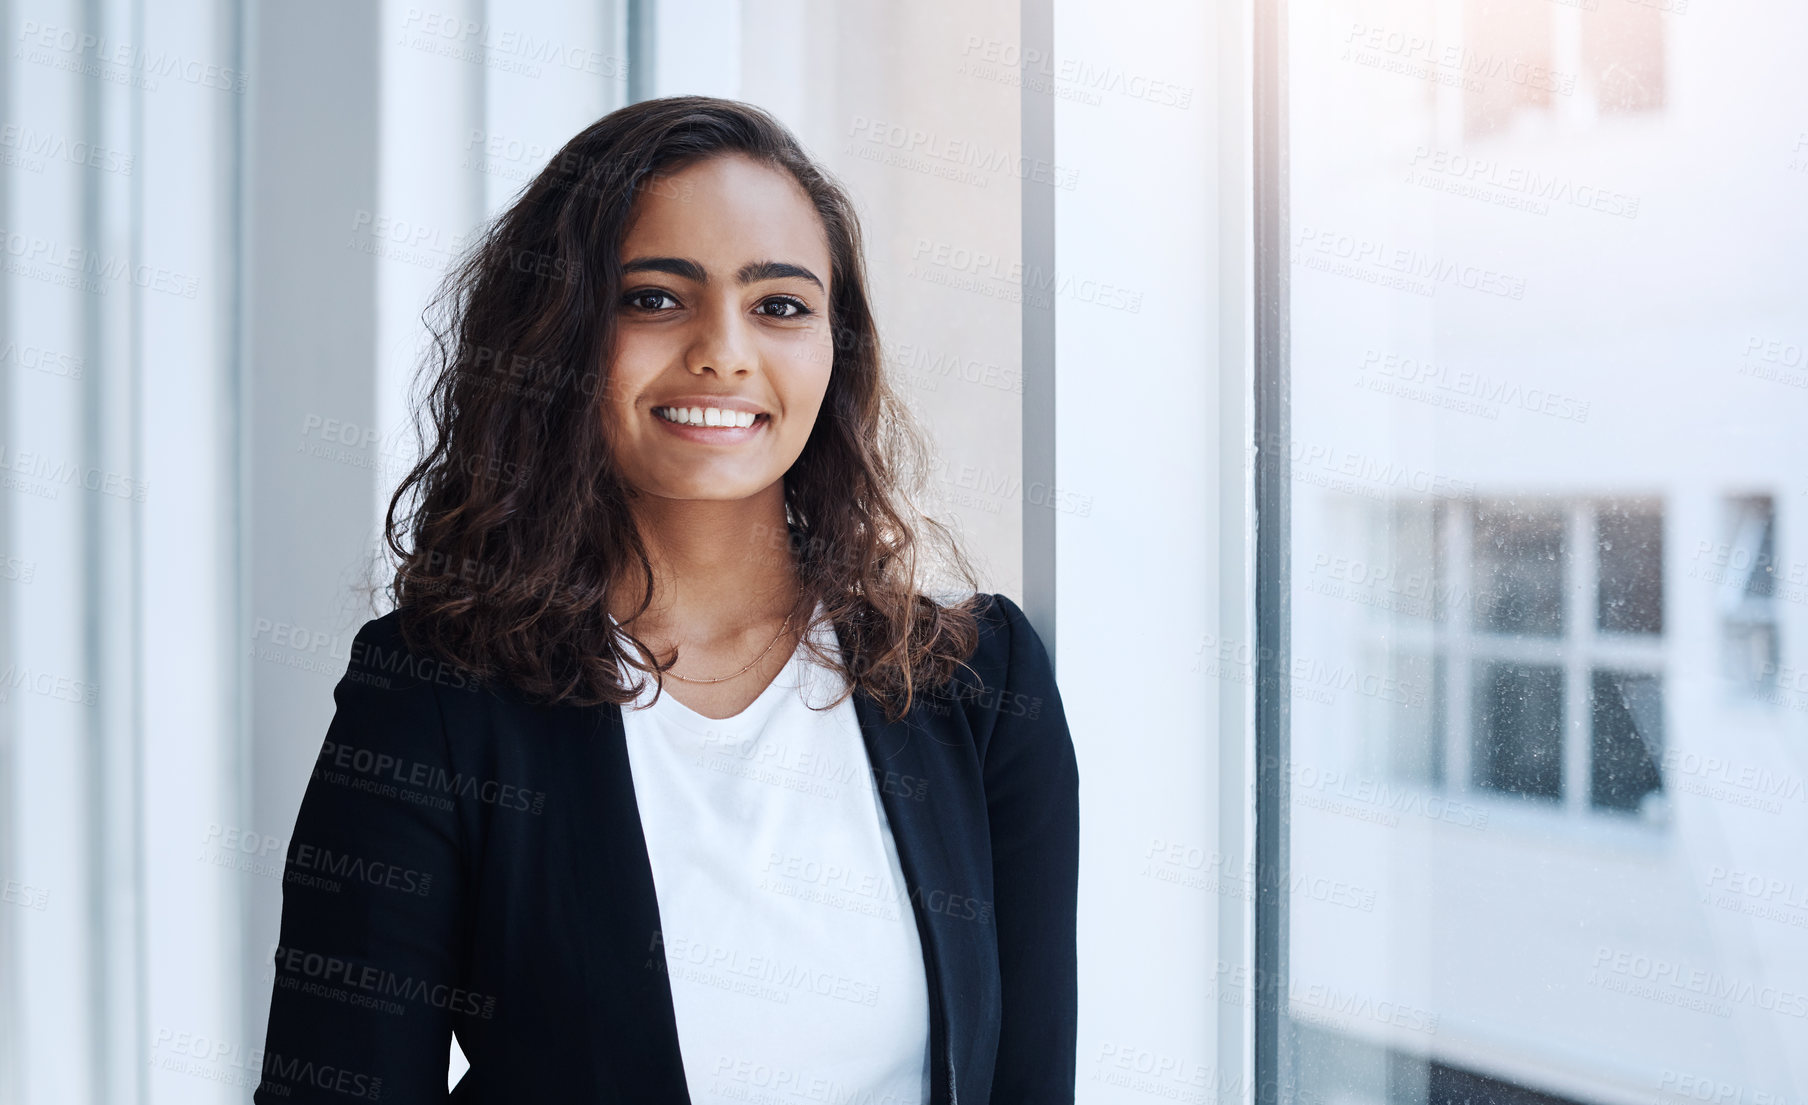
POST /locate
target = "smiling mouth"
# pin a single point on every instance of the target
(704, 417)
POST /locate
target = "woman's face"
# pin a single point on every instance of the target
(725, 305)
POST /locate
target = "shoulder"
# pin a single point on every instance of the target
(384, 658)
(1008, 674)
(1006, 637)
(395, 698)
(1019, 725)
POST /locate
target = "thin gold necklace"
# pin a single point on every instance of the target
(750, 663)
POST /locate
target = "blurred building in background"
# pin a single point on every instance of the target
(1550, 577)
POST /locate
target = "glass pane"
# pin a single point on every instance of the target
(1519, 729)
(1629, 540)
(1628, 740)
(1742, 568)
(1410, 710)
(1518, 561)
(1549, 382)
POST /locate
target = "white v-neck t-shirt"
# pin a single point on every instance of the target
(793, 954)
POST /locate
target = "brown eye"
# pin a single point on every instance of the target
(647, 299)
(786, 307)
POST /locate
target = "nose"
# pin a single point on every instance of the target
(723, 343)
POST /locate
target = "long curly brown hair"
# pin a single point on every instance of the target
(514, 526)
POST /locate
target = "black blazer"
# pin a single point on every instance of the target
(467, 862)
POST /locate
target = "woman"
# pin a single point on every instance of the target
(667, 779)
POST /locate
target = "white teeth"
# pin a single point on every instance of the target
(706, 416)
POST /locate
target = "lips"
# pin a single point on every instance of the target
(712, 425)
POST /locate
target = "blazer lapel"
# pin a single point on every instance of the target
(918, 793)
(631, 994)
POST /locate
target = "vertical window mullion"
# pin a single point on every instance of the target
(1459, 610)
(1036, 114)
(1578, 650)
(1273, 1040)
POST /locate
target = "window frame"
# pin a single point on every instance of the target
(1450, 641)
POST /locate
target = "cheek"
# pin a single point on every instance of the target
(630, 372)
(806, 379)
(818, 366)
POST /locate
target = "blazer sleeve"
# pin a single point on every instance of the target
(1033, 805)
(367, 972)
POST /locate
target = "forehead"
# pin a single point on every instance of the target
(731, 209)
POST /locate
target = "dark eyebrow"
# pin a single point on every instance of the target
(775, 270)
(749, 273)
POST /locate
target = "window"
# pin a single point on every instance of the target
(1623, 55)
(1521, 648)
(1571, 59)
(1503, 34)
(1741, 566)
(1532, 343)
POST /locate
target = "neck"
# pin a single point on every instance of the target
(719, 567)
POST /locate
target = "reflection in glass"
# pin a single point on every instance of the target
(1548, 384)
(1629, 541)
(1519, 568)
(1742, 567)
(1519, 729)
(1628, 740)
(1413, 713)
